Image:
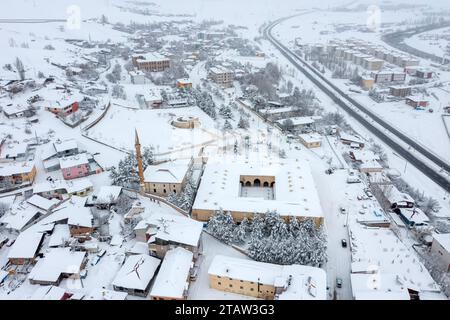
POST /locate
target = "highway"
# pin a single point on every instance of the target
(348, 104)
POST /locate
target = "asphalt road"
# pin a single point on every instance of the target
(343, 100)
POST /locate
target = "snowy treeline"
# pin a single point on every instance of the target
(205, 102)
(266, 80)
(269, 238)
(126, 173)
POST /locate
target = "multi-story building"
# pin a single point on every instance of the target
(151, 62)
(222, 76)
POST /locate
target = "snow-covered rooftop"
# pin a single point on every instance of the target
(42, 203)
(295, 193)
(172, 228)
(378, 286)
(71, 186)
(381, 249)
(168, 172)
(20, 214)
(310, 137)
(26, 245)
(61, 146)
(150, 56)
(108, 194)
(12, 168)
(48, 293)
(136, 272)
(73, 161)
(307, 283)
(60, 234)
(172, 278)
(56, 262)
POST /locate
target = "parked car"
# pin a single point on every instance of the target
(95, 260)
(83, 274)
(343, 210)
(339, 282)
(344, 243)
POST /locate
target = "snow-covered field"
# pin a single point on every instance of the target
(154, 128)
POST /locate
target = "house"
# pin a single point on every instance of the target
(266, 280)
(63, 107)
(20, 216)
(301, 123)
(57, 264)
(74, 166)
(165, 232)
(135, 275)
(172, 281)
(275, 113)
(184, 83)
(400, 91)
(106, 196)
(416, 102)
(222, 76)
(14, 152)
(371, 166)
(17, 173)
(360, 156)
(166, 178)
(17, 111)
(42, 203)
(153, 98)
(50, 293)
(350, 140)
(60, 234)
(25, 248)
(73, 213)
(150, 62)
(246, 188)
(62, 188)
(137, 77)
(310, 140)
(66, 148)
(441, 248)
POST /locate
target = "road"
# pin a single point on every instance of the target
(366, 118)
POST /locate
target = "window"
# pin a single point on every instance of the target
(230, 285)
(165, 191)
(219, 283)
(242, 288)
(251, 289)
(154, 190)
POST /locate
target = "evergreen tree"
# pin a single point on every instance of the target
(243, 123)
(221, 225)
(227, 126)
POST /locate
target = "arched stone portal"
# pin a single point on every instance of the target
(257, 183)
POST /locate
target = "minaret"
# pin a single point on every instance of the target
(137, 146)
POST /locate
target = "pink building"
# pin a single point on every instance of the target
(74, 166)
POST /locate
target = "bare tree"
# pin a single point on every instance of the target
(20, 68)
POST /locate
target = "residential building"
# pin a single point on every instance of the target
(135, 275)
(25, 248)
(172, 281)
(62, 188)
(64, 107)
(310, 140)
(151, 62)
(74, 166)
(17, 173)
(400, 91)
(165, 232)
(350, 140)
(266, 280)
(57, 264)
(367, 83)
(424, 73)
(222, 76)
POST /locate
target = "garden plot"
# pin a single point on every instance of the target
(154, 128)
